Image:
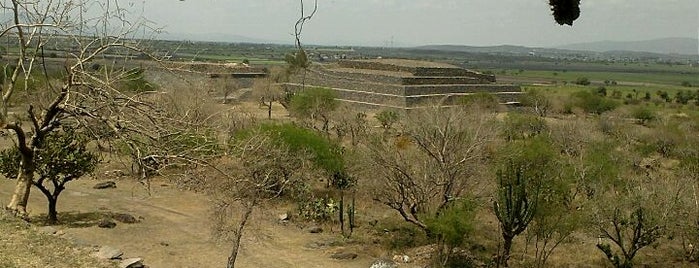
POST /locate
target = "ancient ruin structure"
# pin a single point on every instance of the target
(401, 83)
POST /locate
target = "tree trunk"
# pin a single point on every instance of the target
(269, 110)
(342, 212)
(53, 213)
(239, 235)
(506, 250)
(20, 197)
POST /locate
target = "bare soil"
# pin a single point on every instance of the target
(174, 230)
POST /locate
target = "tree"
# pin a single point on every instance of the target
(63, 158)
(387, 118)
(429, 166)
(269, 91)
(583, 81)
(260, 170)
(79, 92)
(537, 100)
(315, 104)
(527, 177)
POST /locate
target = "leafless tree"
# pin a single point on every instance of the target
(86, 32)
(259, 170)
(432, 162)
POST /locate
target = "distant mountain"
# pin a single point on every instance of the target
(218, 37)
(676, 45)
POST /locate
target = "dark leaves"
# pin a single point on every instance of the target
(565, 11)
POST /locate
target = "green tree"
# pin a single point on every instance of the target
(583, 81)
(63, 158)
(537, 100)
(387, 118)
(316, 104)
(592, 103)
(451, 227)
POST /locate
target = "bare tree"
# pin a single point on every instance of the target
(431, 163)
(86, 31)
(259, 170)
(268, 90)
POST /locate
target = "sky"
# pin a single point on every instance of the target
(423, 22)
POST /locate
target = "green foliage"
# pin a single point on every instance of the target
(135, 81)
(686, 84)
(64, 157)
(684, 96)
(387, 118)
(592, 103)
(297, 61)
(450, 228)
(326, 154)
(314, 103)
(318, 209)
(643, 114)
(519, 126)
(483, 100)
(601, 91)
(453, 223)
(537, 100)
(583, 81)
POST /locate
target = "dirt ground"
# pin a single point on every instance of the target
(175, 232)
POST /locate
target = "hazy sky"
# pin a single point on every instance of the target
(417, 22)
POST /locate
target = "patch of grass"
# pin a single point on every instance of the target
(23, 246)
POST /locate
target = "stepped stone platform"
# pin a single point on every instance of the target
(401, 83)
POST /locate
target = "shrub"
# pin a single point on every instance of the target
(483, 100)
(643, 114)
(686, 84)
(591, 103)
(387, 118)
(583, 81)
(450, 228)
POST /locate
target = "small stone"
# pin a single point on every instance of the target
(106, 223)
(59, 233)
(48, 230)
(344, 256)
(165, 244)
(105, 185)
(315, 230)
(108, 253)
(383, 263)
(283, 217)
(132, 263)
(124, 218)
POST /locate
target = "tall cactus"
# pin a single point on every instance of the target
(514, 206)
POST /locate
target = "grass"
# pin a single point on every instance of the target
(23, 246)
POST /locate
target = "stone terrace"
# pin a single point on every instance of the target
(402, 83)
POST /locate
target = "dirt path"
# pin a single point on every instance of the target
(174, 231)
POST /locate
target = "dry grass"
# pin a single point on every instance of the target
(23, 246)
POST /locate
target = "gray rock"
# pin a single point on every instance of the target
(124, 218)
(105, 185)
(108, 253)
(383, 263)
(132, 263)
(48, 230)
(344, 256)
(106, 223)
(315, 229)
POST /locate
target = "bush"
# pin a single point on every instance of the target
(686, 84)
(519, 126)
(387, 118)
(483, 100)
(643, 114)
(592, 103)
(583, 81)
(450, 228)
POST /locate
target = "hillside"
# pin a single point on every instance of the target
(684, 46)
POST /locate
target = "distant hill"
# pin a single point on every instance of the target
(677, 45)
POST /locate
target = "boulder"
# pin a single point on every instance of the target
(344, 256)
(108, 253)
(383, 263)
(315, 229)
(105, 185)
(106, 223)
(132, 263)
(124, 218)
